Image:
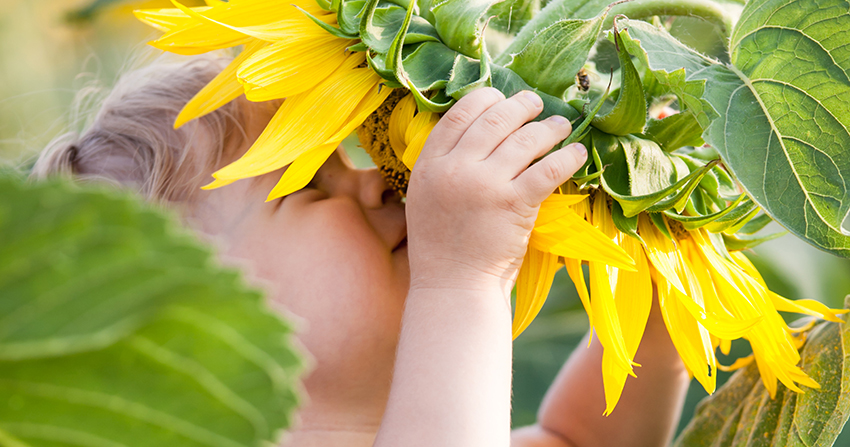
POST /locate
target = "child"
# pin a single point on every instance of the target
(412, 346)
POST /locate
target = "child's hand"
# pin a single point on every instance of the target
(473, 198)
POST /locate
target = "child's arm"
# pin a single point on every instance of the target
(471, 206)
(648, 410)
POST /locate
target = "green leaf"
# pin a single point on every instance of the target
(628, 114)
(460, 24)
(675, 131)
(722, 14)
(552, 58)
(783, 110)
(742, 413)
(673, 65)
(118, 329)
(791, 107)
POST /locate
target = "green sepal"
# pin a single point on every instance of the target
(756, 224)
(358, 47)
(467, 71)
(718, 184)
(679, 200)
(658, 201)
(395, 62)
(428, 65)
(675, 131)
(324, 4)
(511, 15)
(626, 225)
(738, 242)
(348, 16)
(733, 218)
(378, 64)
(461, 23)
(425, 104)
(694, 222)
(658, 220)
(330, 29)
(335, 5)
(552, 58)
(467, 77)
(381, 22)
(628, 114)
(587, 179)
(583, 129)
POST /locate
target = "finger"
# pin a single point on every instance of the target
(498, 122)
(457, 120)
(543, 177)
(531, 141)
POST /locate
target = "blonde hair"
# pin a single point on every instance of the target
(131, 141)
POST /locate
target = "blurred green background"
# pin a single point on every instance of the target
(47, 54)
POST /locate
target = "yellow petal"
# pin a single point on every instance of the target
(166, 19)
(292, 66)
(268, 20)
(399, 122)
(807, 307)
(633, 297)
(661, 251)
(228, 24)
(737, 364)
(563, 232)
(219, 91)
(691, 340)
(301, 171)
(532, 287)
(310, 119)
(577, 276)
(606, 321)
(419, 130)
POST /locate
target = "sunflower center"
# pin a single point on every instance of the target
(375, 138)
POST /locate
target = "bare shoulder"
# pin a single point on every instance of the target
(537, 436)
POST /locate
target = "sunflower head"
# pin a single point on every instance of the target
(374, 136)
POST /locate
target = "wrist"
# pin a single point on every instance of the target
(449, 276)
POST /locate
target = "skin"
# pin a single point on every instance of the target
(406, 313)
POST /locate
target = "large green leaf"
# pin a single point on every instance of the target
(742, 413)
(779, 117)
(118, 329)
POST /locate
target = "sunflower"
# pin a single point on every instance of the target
(380, 69)
(287, 54)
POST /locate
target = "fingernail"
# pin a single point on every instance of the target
(579, 149)
(558, 119)
(533, 97)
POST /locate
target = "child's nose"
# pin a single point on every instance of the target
(373, 190)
